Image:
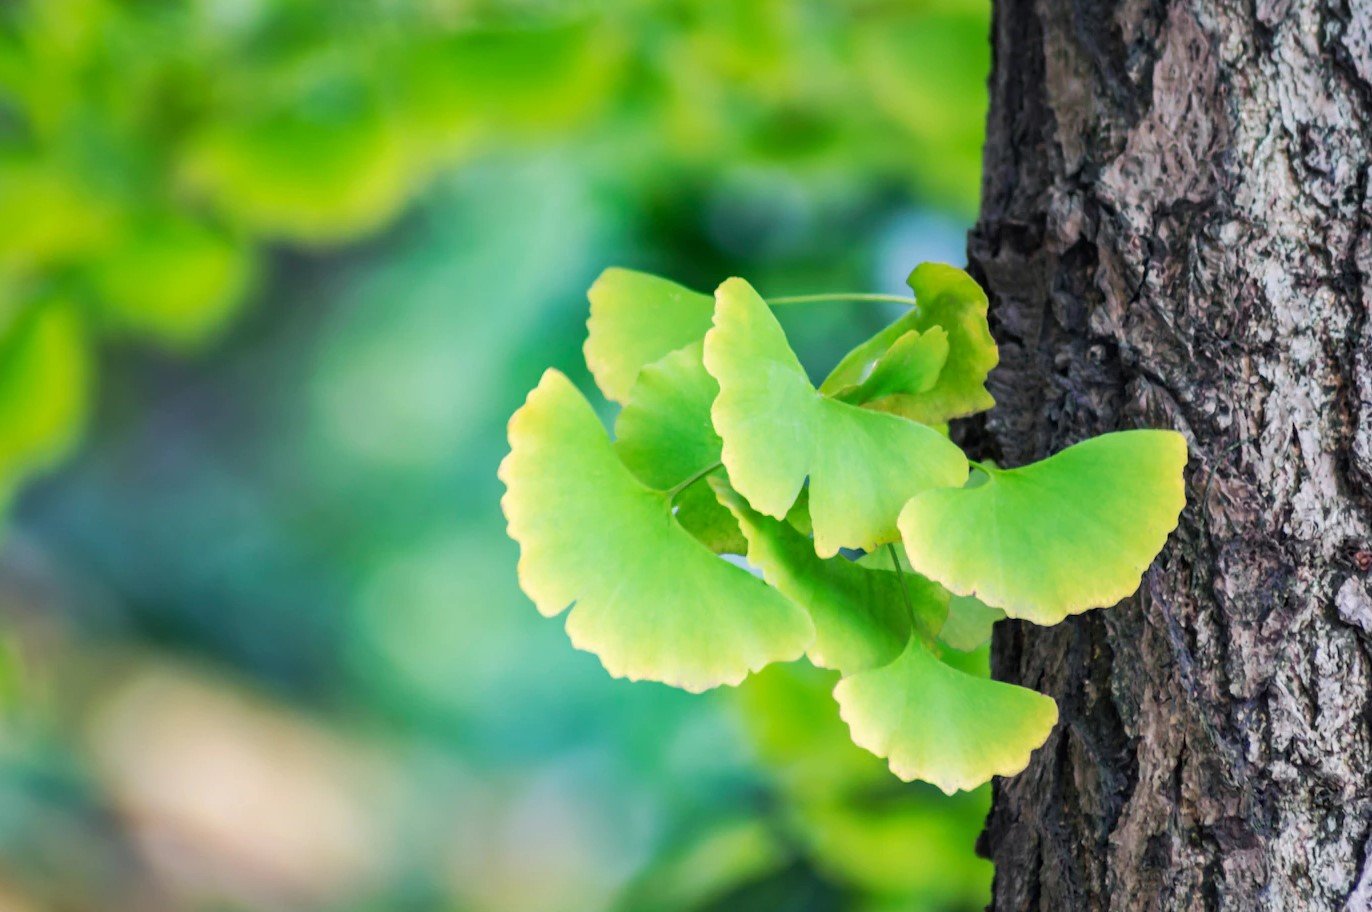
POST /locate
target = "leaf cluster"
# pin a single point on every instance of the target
(883, 553)
(880, 550)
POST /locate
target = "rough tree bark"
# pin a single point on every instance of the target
(1175, 233)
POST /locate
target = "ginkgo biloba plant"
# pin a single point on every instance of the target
(883, 551)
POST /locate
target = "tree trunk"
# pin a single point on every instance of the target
(1175, 233)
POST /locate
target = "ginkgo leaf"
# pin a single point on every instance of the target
(700, 513)
(1057, 537)
(777, 430)
(910, 366)
(664, 435)
(651, 601)
(855, 366)
(948, 297)
(939, 724)
(969, 622)
(861, 616)
(637, 318)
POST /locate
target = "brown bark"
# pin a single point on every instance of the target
(1175, 233)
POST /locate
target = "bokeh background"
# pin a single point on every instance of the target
(273, 274)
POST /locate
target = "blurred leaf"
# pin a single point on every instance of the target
(50, 215)
(311, 154)
(171, 278)
(925, 66)
(915, 847)
(44, 378)
(482, 83)
(706, 868)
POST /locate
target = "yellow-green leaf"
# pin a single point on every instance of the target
(637, 318)
(777, 429)
(910, 366)
(320, 159)
(861, 616)
(948, 298)
(663, 434)
(651, 601)
(1057, 537)
(939, 724)
(969, 622)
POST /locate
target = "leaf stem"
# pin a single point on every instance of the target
(690, 480)
(842, 296)
(900, 573)
(988, 469)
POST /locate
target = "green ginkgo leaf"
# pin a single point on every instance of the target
(861, 616)
(651, 601)
(910, 366)
(859, 363)
(942, 725)
(948, 298)
(969, 622)
(777, 429)
(1057, 537)
(664, 435)
(637, 318)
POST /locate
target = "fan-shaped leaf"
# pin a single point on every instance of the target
(910, 366)
(859, 363)
(663, 434)
(862, 619)
(942, 725)
(651, 601)
(969, 622)
(637, 318)
(947, 297)
(1072, 532)
(777, 430)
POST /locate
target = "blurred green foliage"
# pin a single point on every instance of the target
(293, 537)
(149, 149)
